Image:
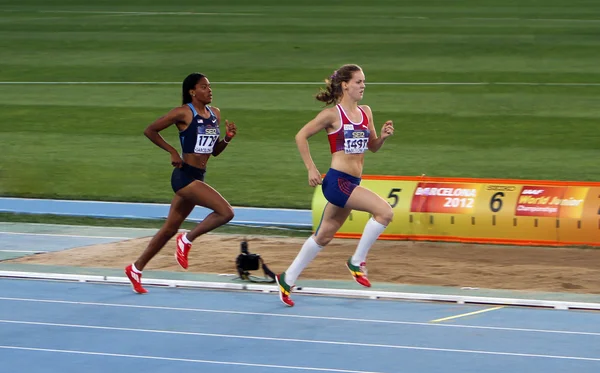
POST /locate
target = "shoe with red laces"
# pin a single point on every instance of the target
(136, 280)
(285, 290)
(359, 273)
(183, 249)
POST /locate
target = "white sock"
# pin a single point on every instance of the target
(372, 231)
(134, 268)
(307, 253)
(185, 239)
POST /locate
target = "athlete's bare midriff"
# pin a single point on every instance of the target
(352, 164)
(196, 160)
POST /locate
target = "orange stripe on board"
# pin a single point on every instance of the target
(498, 241)
(483, 181)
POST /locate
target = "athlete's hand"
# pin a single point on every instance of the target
(387, 130)
(231, 129)
(314, 177)
(176, 160)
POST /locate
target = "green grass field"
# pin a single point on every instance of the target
(85, 141)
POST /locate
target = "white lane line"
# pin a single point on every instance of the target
(63, 235)
(535, 84)
(425, 18)
(217, 362)
(24, 251)
(112, 203)
(76, 226)
(150, 13)
(308, 341)
(266, 314)
(526, 19)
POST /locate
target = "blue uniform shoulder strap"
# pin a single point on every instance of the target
(211, 112)
(193, 108)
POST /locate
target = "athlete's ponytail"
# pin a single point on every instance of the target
(333, 89)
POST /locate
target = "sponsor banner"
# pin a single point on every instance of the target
(571, 205)
(397, 193)
(551, 201)
(444, 198)
(481, 210)
(536, 201)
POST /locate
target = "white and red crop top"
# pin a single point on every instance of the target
(351, 137)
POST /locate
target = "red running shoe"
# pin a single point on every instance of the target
(284, 290)
(359, 273)
(183, 249)
(136, 280)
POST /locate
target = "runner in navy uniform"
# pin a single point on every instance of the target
(199, 134)
(351, 132)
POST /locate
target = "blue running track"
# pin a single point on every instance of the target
(70, 327)
(125, 210)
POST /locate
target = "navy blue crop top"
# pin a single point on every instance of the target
(201, 135)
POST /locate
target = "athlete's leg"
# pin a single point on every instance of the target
(331, 221)
(180, 209)
(202, 194)
(363, 199)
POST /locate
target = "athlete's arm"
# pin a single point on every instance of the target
(177, 115)
(230, 132)
(375, 143)
(323, 120)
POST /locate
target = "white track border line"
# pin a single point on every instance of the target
(298, 340)
(24, 251)
(415, 17)
(536, 84)
(101, 12)
(65, 235)
(370, 294)
(98, 227)
(79, 201)
(185, 360)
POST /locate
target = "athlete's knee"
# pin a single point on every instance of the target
(169, 231)
(323, 238)
(227, 214)
(385, 216)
